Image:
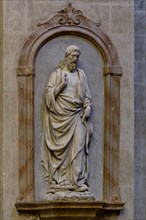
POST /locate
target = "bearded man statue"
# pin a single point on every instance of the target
(67, 126)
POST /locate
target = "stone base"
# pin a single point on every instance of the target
(69, 196)
(62, 210)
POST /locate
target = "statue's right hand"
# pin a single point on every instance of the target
(65, 80)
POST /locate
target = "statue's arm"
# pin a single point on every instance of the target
(54, 87)
(50, 90)
(61, 86)
(87, 102)
(86, 114)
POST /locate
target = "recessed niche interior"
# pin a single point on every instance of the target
(47, 60)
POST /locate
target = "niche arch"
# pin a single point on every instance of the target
(72, 22)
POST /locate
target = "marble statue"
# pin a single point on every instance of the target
(67, 127)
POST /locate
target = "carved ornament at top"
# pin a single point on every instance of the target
(70, 16)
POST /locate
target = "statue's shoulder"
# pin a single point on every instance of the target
(81, 72)
(58, 71)
(54, 76)
(55, 73)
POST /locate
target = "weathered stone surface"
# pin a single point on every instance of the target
(10, 130)
(14, 15)
(139, 5)
(9, 175)
(140, 154)
(140, 211)
(69, 196)
(140, 22)
(139, 74)
(36, 9)
(140, 128)
(140, 180)
(125, 42)
(126, 168)
(140, 47)
(122, 19)
(127, 193)
(11, 53)
(140, 97)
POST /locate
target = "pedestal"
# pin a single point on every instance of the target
(59, 210)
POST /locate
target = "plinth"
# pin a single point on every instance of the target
(94, 210)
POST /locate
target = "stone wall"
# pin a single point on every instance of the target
(20, 19)
(140, 110)
(1, 106)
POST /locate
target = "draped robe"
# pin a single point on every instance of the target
(65, 137)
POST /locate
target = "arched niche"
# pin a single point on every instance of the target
(46, 61)
(69, 22)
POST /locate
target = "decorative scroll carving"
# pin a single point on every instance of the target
(70, 16)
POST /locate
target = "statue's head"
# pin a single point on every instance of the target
(72, 53)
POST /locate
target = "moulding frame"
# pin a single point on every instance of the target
(73, 22)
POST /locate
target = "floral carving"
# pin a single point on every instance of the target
(69, 16)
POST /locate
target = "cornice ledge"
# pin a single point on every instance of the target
(67, 209)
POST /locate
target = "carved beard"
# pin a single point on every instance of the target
(71, 65)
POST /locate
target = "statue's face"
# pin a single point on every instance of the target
(73, 57)
(72, 60)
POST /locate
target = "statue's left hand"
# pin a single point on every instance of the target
(86, 114)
